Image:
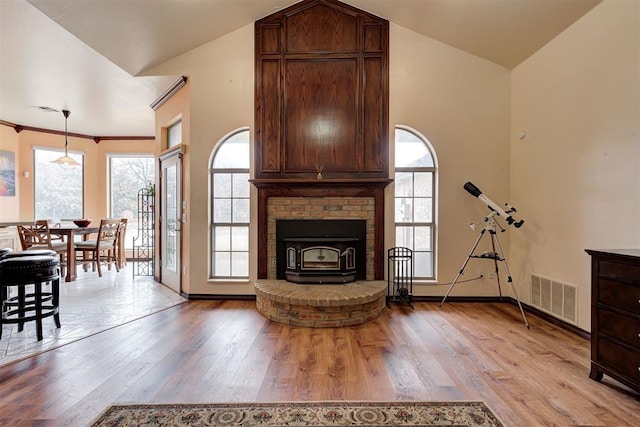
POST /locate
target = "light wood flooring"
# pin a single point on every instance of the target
(224, 351)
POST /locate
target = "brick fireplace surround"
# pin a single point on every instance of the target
(320, 305)
(326, 208)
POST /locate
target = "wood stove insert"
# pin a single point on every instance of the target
(335, 250)
(321, 260)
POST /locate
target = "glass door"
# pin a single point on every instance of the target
(171, 220)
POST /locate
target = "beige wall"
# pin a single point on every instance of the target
(460, 102)
(576, 174)
(175, 109)
(221, 100)
(95, 170)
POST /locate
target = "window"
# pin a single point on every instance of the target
(128, 174)
(415, 177)
(58, 190)
(174, 134)
(229, 230)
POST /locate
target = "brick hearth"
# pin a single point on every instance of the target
(320, 306)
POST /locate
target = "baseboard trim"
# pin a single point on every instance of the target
(553, 320)
(458, 299)
(238, 297)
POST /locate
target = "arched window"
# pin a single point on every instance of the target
(229, 198)
(415, 199)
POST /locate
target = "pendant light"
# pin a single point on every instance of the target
(66, 160)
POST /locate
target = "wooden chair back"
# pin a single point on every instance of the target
(108, 232)
(103, 248)
(37, 234)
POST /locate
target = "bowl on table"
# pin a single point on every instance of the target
(82, 222)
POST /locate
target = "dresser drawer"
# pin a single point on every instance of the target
(620, 295)
(619, 326)
(620, 270)
(621, 359)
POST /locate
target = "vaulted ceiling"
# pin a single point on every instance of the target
(90, 56)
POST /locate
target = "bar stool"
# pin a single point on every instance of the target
(30, 270)
(4, 251)
(13, 301)
(34, 252)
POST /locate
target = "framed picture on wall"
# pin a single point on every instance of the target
(7, 173)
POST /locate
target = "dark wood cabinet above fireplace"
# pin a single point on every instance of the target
(321, 93)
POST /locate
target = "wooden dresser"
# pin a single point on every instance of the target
(615, 315)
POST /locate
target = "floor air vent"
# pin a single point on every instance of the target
(555, 297)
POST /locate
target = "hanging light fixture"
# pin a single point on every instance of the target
(66, 160)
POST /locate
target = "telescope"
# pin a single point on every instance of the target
(475, 191)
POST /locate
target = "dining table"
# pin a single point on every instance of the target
(69, 232)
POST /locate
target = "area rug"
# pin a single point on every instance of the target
(302, 414)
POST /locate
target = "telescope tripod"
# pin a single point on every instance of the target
(496, 255)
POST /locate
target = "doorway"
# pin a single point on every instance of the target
(171, 219)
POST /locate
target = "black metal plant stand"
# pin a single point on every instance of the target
(400, 275)
(143, 243)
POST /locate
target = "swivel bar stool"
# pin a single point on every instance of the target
(21, 272)
(9, 253)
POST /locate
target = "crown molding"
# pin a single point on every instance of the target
(19, 128)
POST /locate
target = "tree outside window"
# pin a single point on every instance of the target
(128, 175)
(58, 190)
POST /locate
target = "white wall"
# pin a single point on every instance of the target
(576, 174)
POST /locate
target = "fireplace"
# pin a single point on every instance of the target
(322, 200)
(321, 251)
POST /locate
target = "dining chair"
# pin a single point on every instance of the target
(122, 258)
(38, 236)
(104, 248)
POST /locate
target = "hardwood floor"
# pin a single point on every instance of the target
(224, 351)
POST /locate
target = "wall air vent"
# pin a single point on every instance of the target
(554, 297)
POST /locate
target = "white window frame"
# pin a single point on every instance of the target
(432, 225)
(212, 200)
(174, 134)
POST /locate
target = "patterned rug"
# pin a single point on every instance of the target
(302, 414)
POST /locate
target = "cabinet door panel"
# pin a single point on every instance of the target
(375, 127)
(268, 138)
(321, 29)
(321, 115)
